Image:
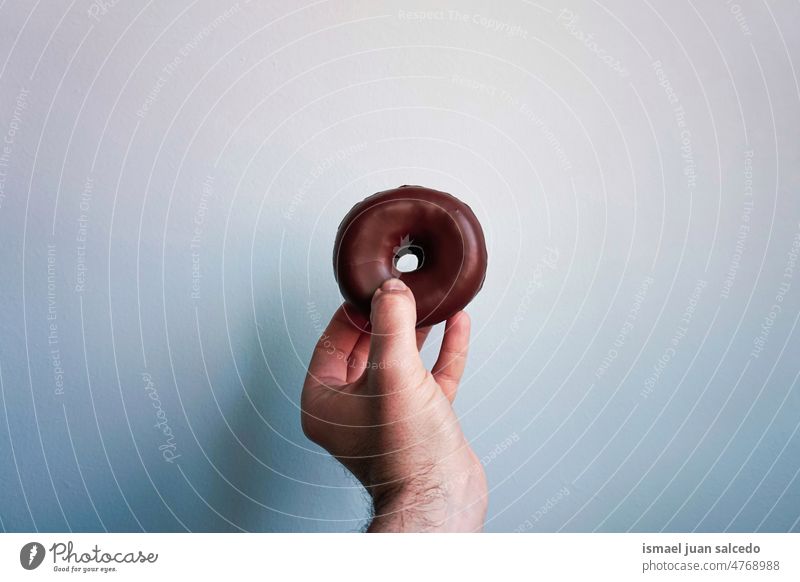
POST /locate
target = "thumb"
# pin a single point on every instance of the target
(393, 346)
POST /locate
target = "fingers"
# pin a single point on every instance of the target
(394, 339)
(359, 358)
(328, 364)
(357, 362)
(449, 367)
(422, 335)
(347, 348)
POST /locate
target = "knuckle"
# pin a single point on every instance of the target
(393, 299)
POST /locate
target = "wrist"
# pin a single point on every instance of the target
(444, 503)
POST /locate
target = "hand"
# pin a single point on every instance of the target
(370, 402)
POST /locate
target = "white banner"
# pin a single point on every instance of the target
(348, 557)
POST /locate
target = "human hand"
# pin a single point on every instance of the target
(370, 402)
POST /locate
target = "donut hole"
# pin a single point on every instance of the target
(407, 263)
(408, 259)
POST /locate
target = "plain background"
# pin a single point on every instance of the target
(172, 176)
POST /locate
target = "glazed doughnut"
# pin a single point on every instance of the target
(437, 228)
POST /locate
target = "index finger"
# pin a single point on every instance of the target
(328, 364)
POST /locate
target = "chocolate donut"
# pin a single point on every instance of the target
(437, 228)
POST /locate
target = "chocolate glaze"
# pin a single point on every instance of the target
(437, 227)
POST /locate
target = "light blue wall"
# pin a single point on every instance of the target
(172, 179)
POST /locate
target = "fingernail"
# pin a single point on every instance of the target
(393, 285)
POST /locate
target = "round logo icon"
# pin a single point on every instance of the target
(31, 555)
